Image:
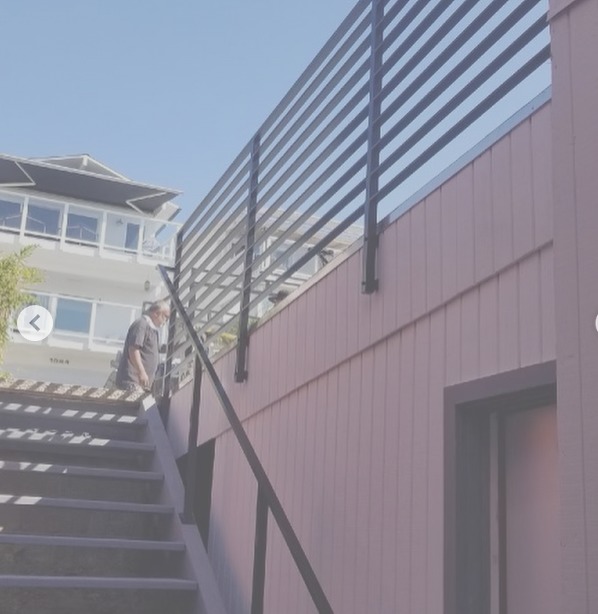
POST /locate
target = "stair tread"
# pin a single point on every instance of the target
(91, 504)
(100, 582)
(80, 471)
(52, 440)
(91, 542)
(84, 416)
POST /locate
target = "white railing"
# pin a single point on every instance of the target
(84, 225)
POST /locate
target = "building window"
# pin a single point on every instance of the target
(132, 236)
(72, 315)
(82, 227)
(44, 220)
(10, 214)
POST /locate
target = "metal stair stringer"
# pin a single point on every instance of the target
(197, 563)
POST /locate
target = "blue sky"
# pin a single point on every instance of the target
(164, 92)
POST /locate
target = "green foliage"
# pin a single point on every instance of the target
(15, 276)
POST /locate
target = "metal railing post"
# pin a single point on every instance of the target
(259, 553)
(188, 516)
(369, 282)
(243, 339)
(166, 385)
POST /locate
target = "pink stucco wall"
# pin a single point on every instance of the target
(344, 402)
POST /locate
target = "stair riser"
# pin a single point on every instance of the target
(106, 430)
(42, 520)
(28, 559)
(78, 601)
(37, 483)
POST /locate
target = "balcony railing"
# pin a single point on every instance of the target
(80, 225)
(92, 324)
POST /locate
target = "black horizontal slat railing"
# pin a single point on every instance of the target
(394, 86)
(399, 87)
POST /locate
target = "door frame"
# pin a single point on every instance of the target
(468, 411)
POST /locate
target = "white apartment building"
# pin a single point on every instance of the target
(99, 237)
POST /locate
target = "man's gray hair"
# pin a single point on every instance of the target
(159, 306)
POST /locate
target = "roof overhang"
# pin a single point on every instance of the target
(80, 185)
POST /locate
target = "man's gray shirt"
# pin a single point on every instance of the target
(144, 337)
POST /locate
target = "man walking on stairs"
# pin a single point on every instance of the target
(140, 357)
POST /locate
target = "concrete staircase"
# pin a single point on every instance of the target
(88, 524)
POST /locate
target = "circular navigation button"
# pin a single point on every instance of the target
(35, 323)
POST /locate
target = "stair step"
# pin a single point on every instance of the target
(86, 504)
(96, 595)
(100, 582)
(96, 421)
(73, 481)
(48, 445)
(82, 517)
(91, 542)
(84, 556)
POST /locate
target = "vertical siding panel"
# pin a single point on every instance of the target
(272, 465)
(264, 388)
(435, 477)
(364, 315)
(418, 259)
(330, 318)
(405, 473)
(301, 324)
(584, 47)
(379, 298)
(502, 203)
(433, 250)
(547, 304)
(329, 478)
(291, 505)
(353, 295)
(377, 602)
(465, 229)
(275, 366)
(285, 486)
(391, 472)
(403, 300)
(281, 349)
(489, 327)
(342, 312)
(508, 320)
(289, 347)
(453, 342)
(388, 277)
(523, 202)
(541, 138)
(529, 311)
(419, 501)
(448, 193)
(352, 552)
(298, 498)
(470, 335)
(363, 535)
(317, 478)
(310, 334)
(483, 224)
(340, 531)
(255, 366)
(321, 337)
(569, 393)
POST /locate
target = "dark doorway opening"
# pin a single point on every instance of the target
(500, 438)
(203, 488)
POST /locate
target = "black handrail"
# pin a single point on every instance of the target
(266, 491)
